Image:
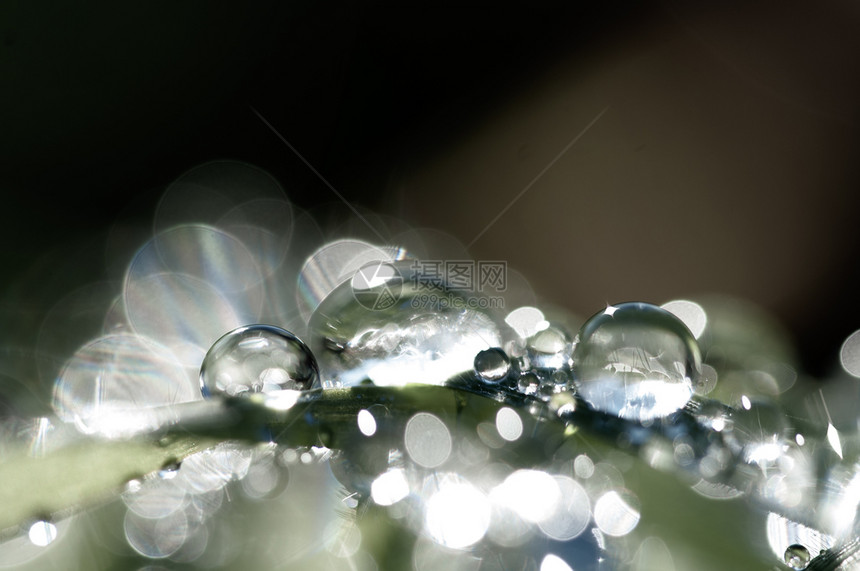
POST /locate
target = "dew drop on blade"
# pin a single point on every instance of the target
(549, 348)
(636, 361)
(797, 557)
(257, 359)
(492, 365)
(396, 323)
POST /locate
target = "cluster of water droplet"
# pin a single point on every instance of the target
(695, 393)
(633, 370)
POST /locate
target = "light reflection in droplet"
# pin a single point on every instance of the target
(509, 424)
(366, 422)
(636, 361)
(552, 562)
(458, 515)
(427, 440)
(390, 487)
(616, 515)
(257, 359)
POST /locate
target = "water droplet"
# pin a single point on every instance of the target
(257, 359)
(797, 557)
(636, 361)
(169, 471)
(397, 323)
(549, 348)
(528, 383)
(492, 365)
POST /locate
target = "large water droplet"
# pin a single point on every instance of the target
(492, 365)
(797, 557)
(397, 323)
(636, 361)
(257, 358)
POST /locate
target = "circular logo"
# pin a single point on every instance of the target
(377, 286)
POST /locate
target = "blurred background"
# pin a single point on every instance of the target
(710, 146)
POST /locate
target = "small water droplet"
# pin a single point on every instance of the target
(549, 348)
(528, 383)
(492, 365)
(169, 470)
(257, 359)
(636, 361)
(797, 557)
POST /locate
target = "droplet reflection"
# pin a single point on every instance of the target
(257, 358)
(636, 361)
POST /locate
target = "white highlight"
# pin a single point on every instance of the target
(42, 533)
(458, 515)
(527, 321)
(833, 439)
(366, 422)
(690, 312)
(427, 440)
(390, 487)
(531, 494)
(614, 516)
(554, 563)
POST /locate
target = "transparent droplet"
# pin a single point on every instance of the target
(400, 322)
(169, 471)
(528, 383)
(492, 365)
(636, 361)
(549, 348)
(257, 359)
(797, 557)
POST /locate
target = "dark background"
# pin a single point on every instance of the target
(726, 160)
